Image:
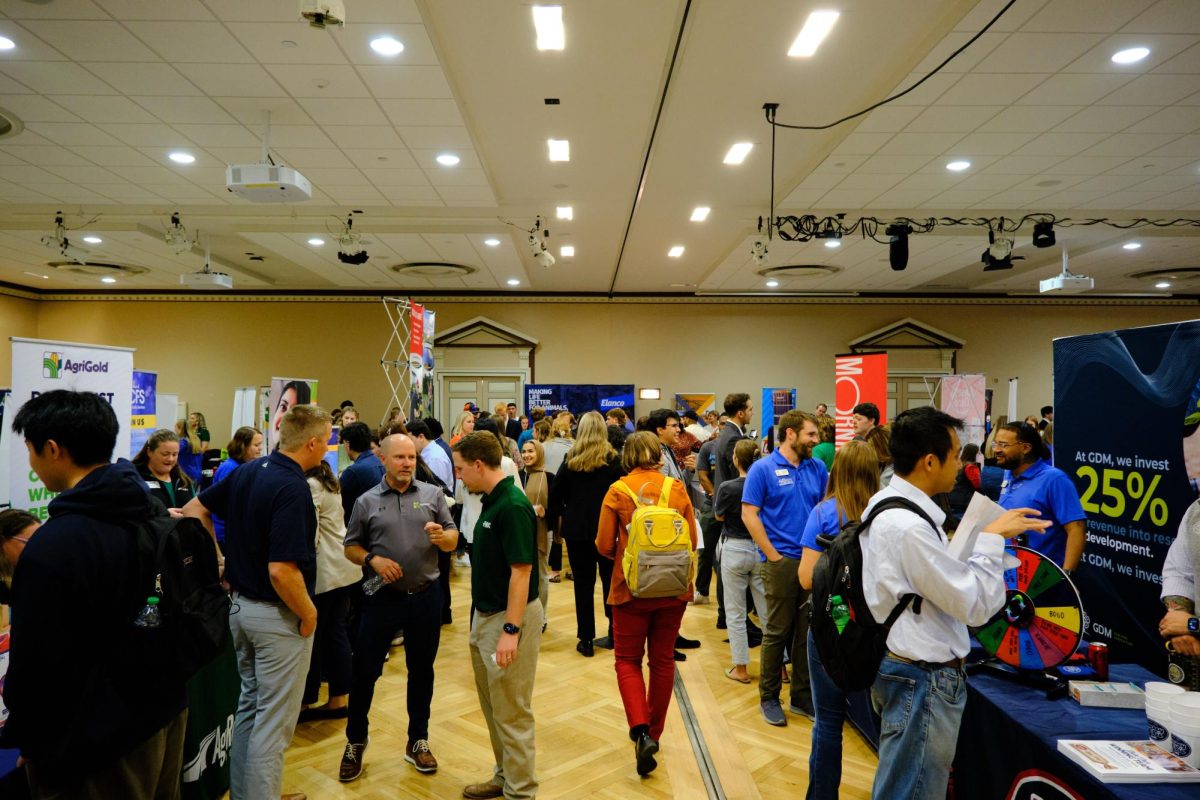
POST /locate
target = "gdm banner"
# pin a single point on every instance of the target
(40, 366)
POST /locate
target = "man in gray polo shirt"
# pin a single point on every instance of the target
(395, 531)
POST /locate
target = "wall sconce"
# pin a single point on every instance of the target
(649, 394)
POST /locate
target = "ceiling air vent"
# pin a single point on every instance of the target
(96, 269)
(10, 124)
(799, 271)
(432, 269)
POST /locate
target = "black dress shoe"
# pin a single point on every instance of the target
(644, 749)
(683, 643)
(721, 626)
(680, 656)
(584, 649)
(605, 642)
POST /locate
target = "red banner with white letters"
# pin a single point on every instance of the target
(858, 379)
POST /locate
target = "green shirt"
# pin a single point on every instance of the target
(505, 534)
(824, 452)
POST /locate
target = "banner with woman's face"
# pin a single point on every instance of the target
(285, 393)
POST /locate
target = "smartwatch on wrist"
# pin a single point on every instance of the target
(367, 560)
(1193, 624)
(510, 628)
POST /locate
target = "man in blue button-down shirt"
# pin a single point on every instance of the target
(365, 472)
(780, 491)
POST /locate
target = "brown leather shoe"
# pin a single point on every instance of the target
(352, 762)
(420, 756)
(482, 791)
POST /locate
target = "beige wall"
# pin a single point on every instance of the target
(17, 318)
(202, 350)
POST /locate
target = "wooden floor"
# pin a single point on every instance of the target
(583, 747)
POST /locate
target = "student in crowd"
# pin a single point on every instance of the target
(472, 502)
(864, 417)
(1047, 417)
(575, 500)
(853, 480)
(464, 425)
(336, 582)
(921, 688)
(968, 481)
(1031, 421)
(365, 472)
(90, 712)
(16, 526)
(739, 562)
(535, 416)
(738, 412)
(198, 426)
(879, 437)
(710, 527)
(641, 624)
(433, 456)
(506, 630)
(350, 416)
(270, 541)
(536, 482)
(512, 425)
(827, 427)
(246, 445)
(436, 430)
(560, 441)
(396, 532)
(158, 464)
(190, 454)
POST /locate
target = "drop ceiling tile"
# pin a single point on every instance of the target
(237, 155)
(91, 40)
(31, 175)
(928, 92)
(1023, 164)
(1103, 119)
(1088, 165)
(1175, 16)
(44, 156)
(252, 112)
(840, 164)
(305, 158)
(232, 80)
(385, 179)
(55, 77)
(1178, 200)
(862, 144)
(432, 137)
(944, 118)
(418, 49)
(990, 182)
(105, 108)
(332, 81)
(70, 193)
(822, 181)
(1180, 119)
(381, 159)
(406, 82)
(1106, 184)
(135, 79)
(35, 108)
(196, 42)
(26, 138)
(158, 135)
(1128, 199)
(1086, 15)
(312, 46)
(63, 9)
(220, 135)
(920, 144)
(1185, 146)
(892, 165)
(989, 90)
(1030, 119)
(139, 9)
(427, 159)
(933, 181)
(889, 119)
(148, 173)
(335, 111)
(86, 174)
(1038, 52)
(991, 143)
(185, 109)
(1153, 90)
(336, 176)
(422, 112)
(365, 137)
(10, 87)
(464, 195)
(296, 135)
(354, 195)
(1130, 144)
(1060, 144)
(398, 11)
(1162, 48)
(125, 192)
(800, 199)
(1073, 90)
(72, 133)
(968, 59)
(960, 198)
(412, 193)
(1187, 62)
(457, 177)
(1168, 183)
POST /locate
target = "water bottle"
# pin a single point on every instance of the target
(150, 616)
(840, 612)
(373, 584)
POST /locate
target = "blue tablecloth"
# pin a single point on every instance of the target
(1010, 732)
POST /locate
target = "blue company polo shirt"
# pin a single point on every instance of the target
(269, 516)
(823, 520)
(784, 495)
(1050, 491)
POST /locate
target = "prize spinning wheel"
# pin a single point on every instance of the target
(1041, 624)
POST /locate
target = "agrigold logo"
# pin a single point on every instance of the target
(54, 365)
(51, 364)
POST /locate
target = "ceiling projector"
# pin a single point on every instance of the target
(320, 13)
(267, 183)
(206, 280)
(1066, 281)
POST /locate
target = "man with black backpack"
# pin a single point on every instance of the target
(94, 714)
(920, 690)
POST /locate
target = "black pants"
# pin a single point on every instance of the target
(384, 613)
(585, 562)
(444, 582)
(555, 559)
(331, 645)
(706, 564)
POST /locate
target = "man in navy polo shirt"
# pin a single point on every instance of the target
(270, 565)
(780, 491)
(1031, 482)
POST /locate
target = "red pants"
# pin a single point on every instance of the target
(650, 625)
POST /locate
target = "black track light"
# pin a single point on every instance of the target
(898, 245)
(1043, 234)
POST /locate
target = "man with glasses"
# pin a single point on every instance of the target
(1031, 482)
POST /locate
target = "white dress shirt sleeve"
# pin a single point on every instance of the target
(971, 592)
(1178, 578)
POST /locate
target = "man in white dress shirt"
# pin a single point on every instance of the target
(920, 691)
(1180, 626)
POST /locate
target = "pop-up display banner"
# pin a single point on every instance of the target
(40, 366)
(143, 419)
(1125, 430)
(579, 398)
(858, 379)
(285, 393)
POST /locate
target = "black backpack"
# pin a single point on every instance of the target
(177, 562)
(852, 657)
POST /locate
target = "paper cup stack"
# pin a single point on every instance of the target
(1185, 726)
(1158, 711)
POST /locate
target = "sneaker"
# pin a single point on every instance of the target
(419, 755)
(462, 561)
(772, 713)
(352, 762)
(802, 707)
(644, 749)
(700, 599)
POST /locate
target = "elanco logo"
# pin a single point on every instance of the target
(53, 365)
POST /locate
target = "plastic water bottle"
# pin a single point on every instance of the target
(150, 616)
(840, 612)
(373, 584)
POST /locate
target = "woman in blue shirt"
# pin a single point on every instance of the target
(852, 481)
(246, 445)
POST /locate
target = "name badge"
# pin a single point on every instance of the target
(152, 484)
(487, 525)
(781, 472)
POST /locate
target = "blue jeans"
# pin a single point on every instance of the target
(739, 569)
(825, 757)
(921, 709)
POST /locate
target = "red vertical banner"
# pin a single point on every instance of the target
(416, 332)
(858, 379)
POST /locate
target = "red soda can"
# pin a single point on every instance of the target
(1098, 658)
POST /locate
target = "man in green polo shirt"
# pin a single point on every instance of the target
(507, 627)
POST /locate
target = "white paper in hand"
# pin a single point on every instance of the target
(980, 513)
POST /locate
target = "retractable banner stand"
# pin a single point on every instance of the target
(701, 403)
(143, 419)
(964, 397)
(579, 398)
(420, 362)
(858, 379)
(40, 366)
(4, 442)
(1127, 431)
(775, 403)
(285, 393)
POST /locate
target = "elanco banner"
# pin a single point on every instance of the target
(858, 379)
(40, 366)
(1126, 432)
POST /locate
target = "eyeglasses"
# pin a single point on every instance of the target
(21, 539)
(1005, 445)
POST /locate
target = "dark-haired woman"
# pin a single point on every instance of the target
(16, 526)
(246, 445)
(158, 464)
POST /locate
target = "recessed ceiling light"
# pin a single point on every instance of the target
(700, 213)
(832, 243)
(286, 43)
(316, 241)
(448, 159)
(1163, 285)
(6, 43)
(513, 282)
(93, 239)
(771, 284)
(567, 251)
(560, 149)
(816, 28)
(958, 166)
(1130, 55)
(1132, 246)
(387, 46)
(492, 242)
(737, 154)
(37, 275)
(547, 21)
(107, 279)
(180, 157)
(676, 251)
(565, 212)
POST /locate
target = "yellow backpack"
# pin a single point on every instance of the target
(659, 560)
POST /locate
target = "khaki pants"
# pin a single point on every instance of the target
(785, 618)
(505, 695)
